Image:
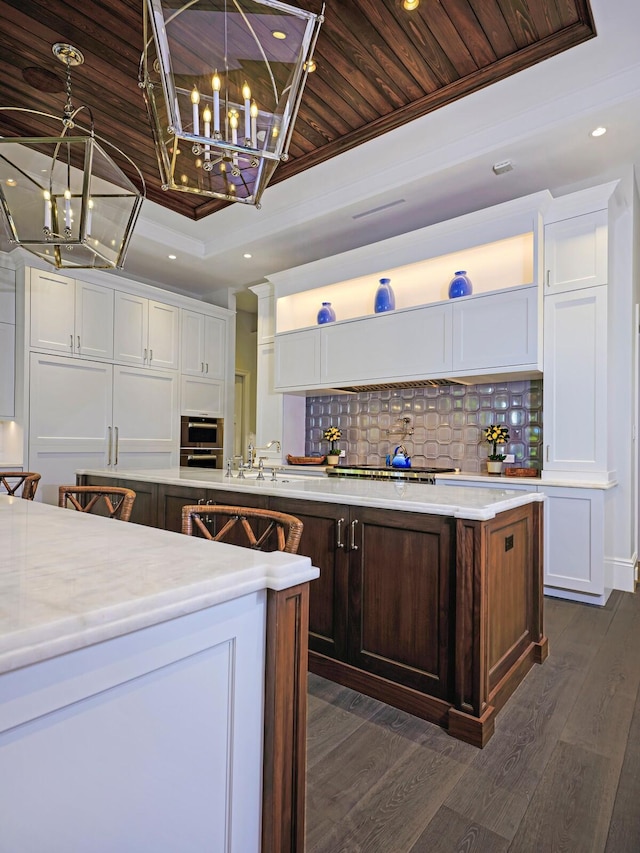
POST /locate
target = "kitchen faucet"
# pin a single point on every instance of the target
(267, 446)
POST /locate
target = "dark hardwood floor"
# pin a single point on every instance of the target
(560, 775)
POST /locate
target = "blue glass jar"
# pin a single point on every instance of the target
(326, 314)
(385, 299)
(460, 285)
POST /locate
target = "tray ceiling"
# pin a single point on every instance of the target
(378, 67)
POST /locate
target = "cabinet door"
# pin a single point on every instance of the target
(7, 369)
(164, 336)
(94, 321)
(576, 252)
(575, 381)
(201, 396)
(131, 328)
(574, 539)
(52, 312)
(171, 499)
(7, 296)
(381, 544)
(192, 361)
(388, 346)
(496, 331)
(324, 540)
(145, 505)
(215, 347)
(145, 414)
(297, 359)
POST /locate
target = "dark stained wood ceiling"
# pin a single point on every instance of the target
(378, 67)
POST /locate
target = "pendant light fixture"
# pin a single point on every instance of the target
(65, 199)
(223, 80)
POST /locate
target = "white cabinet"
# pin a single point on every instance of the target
(88, 413)
(575, 382)
(71, 317)
(574, 540)
(146, 332)
(201, 396)
(576, 252)
(7, 370)
(204, 345)
(297, 360)
(496, 331)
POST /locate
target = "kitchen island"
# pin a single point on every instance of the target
(152, 688)
(429, 597)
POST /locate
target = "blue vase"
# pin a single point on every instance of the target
(460, 285)
(326, 314)
(385, 300)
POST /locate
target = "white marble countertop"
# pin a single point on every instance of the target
(549, 480)
(459, 502)
(69, 580)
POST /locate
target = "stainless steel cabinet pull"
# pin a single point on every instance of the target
(78, 341)
(339, 542)
(115, 461)
(150, 356)
(353, 547)
(109, 442)
(71, 341)
(207, 370)
(144, 357)
(548, 446)
(202, 367)
(548, 278)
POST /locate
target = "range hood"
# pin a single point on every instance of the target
(413, 383)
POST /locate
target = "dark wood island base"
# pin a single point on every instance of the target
(491, 636)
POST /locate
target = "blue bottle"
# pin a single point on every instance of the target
(326, 314)
(460, 285)
(385, 299)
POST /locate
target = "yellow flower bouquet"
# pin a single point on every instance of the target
(332, 434)
(495, 435)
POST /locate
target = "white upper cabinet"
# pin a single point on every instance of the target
(146, 332)
(7, 342)
(71, 317)
(576, 252)
(204, 345)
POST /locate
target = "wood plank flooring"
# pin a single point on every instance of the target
(560, 775)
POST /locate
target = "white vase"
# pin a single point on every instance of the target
(494, 467)
(332, 459)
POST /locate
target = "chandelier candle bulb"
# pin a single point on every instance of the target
(195, 100)
(254, 125)
(246, 94)
(206, 118)
(47, 210)
(67, 209)
(215, 83)
(89, 215)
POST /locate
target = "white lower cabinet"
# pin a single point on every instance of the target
(87, 413)
(7, 370)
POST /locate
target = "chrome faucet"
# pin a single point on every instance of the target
(252, 449)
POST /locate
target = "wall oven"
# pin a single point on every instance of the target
(201, 442)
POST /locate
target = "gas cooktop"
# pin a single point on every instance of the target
(383, 472)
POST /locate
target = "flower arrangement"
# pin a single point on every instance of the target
(332, 434)
(495, 435)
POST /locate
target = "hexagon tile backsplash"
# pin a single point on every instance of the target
(447, 424)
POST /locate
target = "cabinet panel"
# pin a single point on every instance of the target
(192, 343)
(7, 296)
(394, 345)
(496, 331)
(145, 406)
(574, 539)
(93, 321)
(145, 505)
(7, 369)
(215, 347)
(576, 252)
(297, 359)
(164, 324)
(52, 311)
(131, 328)
(201, 396)
(575, 380)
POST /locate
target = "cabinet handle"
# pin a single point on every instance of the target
(71, 342)
(339, 542)
(78, 342)
(547, 452)
(144, 357)
(207, 370)
(150, 356)
(548, 278)
(353, 545)
(202, 367)
(117, 432)
(109, 443)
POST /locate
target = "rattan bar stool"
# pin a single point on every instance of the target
(117, 502)
(13, 481)
(277, 528)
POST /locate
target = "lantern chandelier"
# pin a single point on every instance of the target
(63, 196)
(222, 81)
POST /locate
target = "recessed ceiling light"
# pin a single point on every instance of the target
(11, 182)
(310, 66)
(278, 34)
(599, 131)
(247, 255)
(410, 5)
(172, 257)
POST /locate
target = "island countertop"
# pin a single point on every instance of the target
(456, 501)
(69, 580)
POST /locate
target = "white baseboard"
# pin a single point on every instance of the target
(622, 573)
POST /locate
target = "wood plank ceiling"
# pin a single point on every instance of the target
(378, 67)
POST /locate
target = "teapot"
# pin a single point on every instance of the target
(400, 458)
